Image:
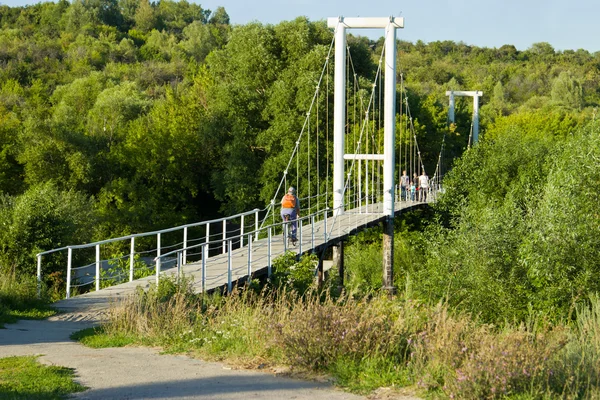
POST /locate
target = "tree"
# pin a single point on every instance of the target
(176, 15)
(145, 17)
(219, 17)
(498, 102)
(198, 41)
(165, 160)
(542, 51)
(11, 172)
(113, 109)
(567, 91)
(105, 11)
(43, 218)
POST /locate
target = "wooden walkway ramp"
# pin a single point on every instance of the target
(249, 260)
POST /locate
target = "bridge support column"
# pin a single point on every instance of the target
(339, 119)
(338, 262)
(475, 119)
(476, 95)
(388, 256)
(389, 141)
(390, 24)
(451, 107)
(320, 272)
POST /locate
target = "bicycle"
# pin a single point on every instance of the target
(287, 227)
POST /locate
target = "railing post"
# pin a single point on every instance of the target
(229, 285)
(312, 231)
(208, 235)
(224, 237)
(256, 225)
(285, 236)
(69, 259)
(158, 259)
(131, 258)
(300, 235)
(39, 275)
(242, 232)
(269, 253)
(179, 259)
(158, 245)
(157, 270)
(325, 224)
(204, 255)
(97, 267)
(185, 236)
(249, 257)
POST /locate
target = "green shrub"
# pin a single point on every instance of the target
(296, 275)
(43, 218)
(119, 269)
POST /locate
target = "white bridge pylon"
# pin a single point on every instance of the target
(390, 24)
(476, 94)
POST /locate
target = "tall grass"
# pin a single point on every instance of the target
(19, 299)
(373, 341)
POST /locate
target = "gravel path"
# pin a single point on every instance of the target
(143, 373)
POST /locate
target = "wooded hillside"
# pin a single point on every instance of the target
(124, 116)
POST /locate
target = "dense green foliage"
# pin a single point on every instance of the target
(124, 116)
(119, 116)
(523, 226)
(516, 232)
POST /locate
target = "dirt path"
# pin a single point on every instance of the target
(142, 373)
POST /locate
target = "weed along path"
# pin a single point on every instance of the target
(143, 373)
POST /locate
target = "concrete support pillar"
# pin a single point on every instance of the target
(338, 262)
(389, 118)
(388, 256)
(475, 118)
(451, 107)
(320, 273)
(339, 119)
(476, 95)
(389, 157)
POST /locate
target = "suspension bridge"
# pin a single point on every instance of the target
(344, 187)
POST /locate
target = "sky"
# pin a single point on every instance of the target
(565, 25)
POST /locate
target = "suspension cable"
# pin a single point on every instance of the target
(283, 180)
(364, 127)
(317, 139)
(308, 156)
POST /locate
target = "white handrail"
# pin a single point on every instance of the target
(250, 235)
(131, 237)
(136, 235)
(206, 245)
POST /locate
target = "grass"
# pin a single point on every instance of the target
(19, 300)
(25, 378)
(95, 338)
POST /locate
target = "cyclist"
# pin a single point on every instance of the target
(290, 207)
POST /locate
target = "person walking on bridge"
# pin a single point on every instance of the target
(424, 185)
(290, 206)
(404, 186)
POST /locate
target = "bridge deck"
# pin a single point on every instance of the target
(311, 239)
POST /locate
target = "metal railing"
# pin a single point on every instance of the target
(220, 243)
(224, 242)
(267, 236)
(322, 223)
